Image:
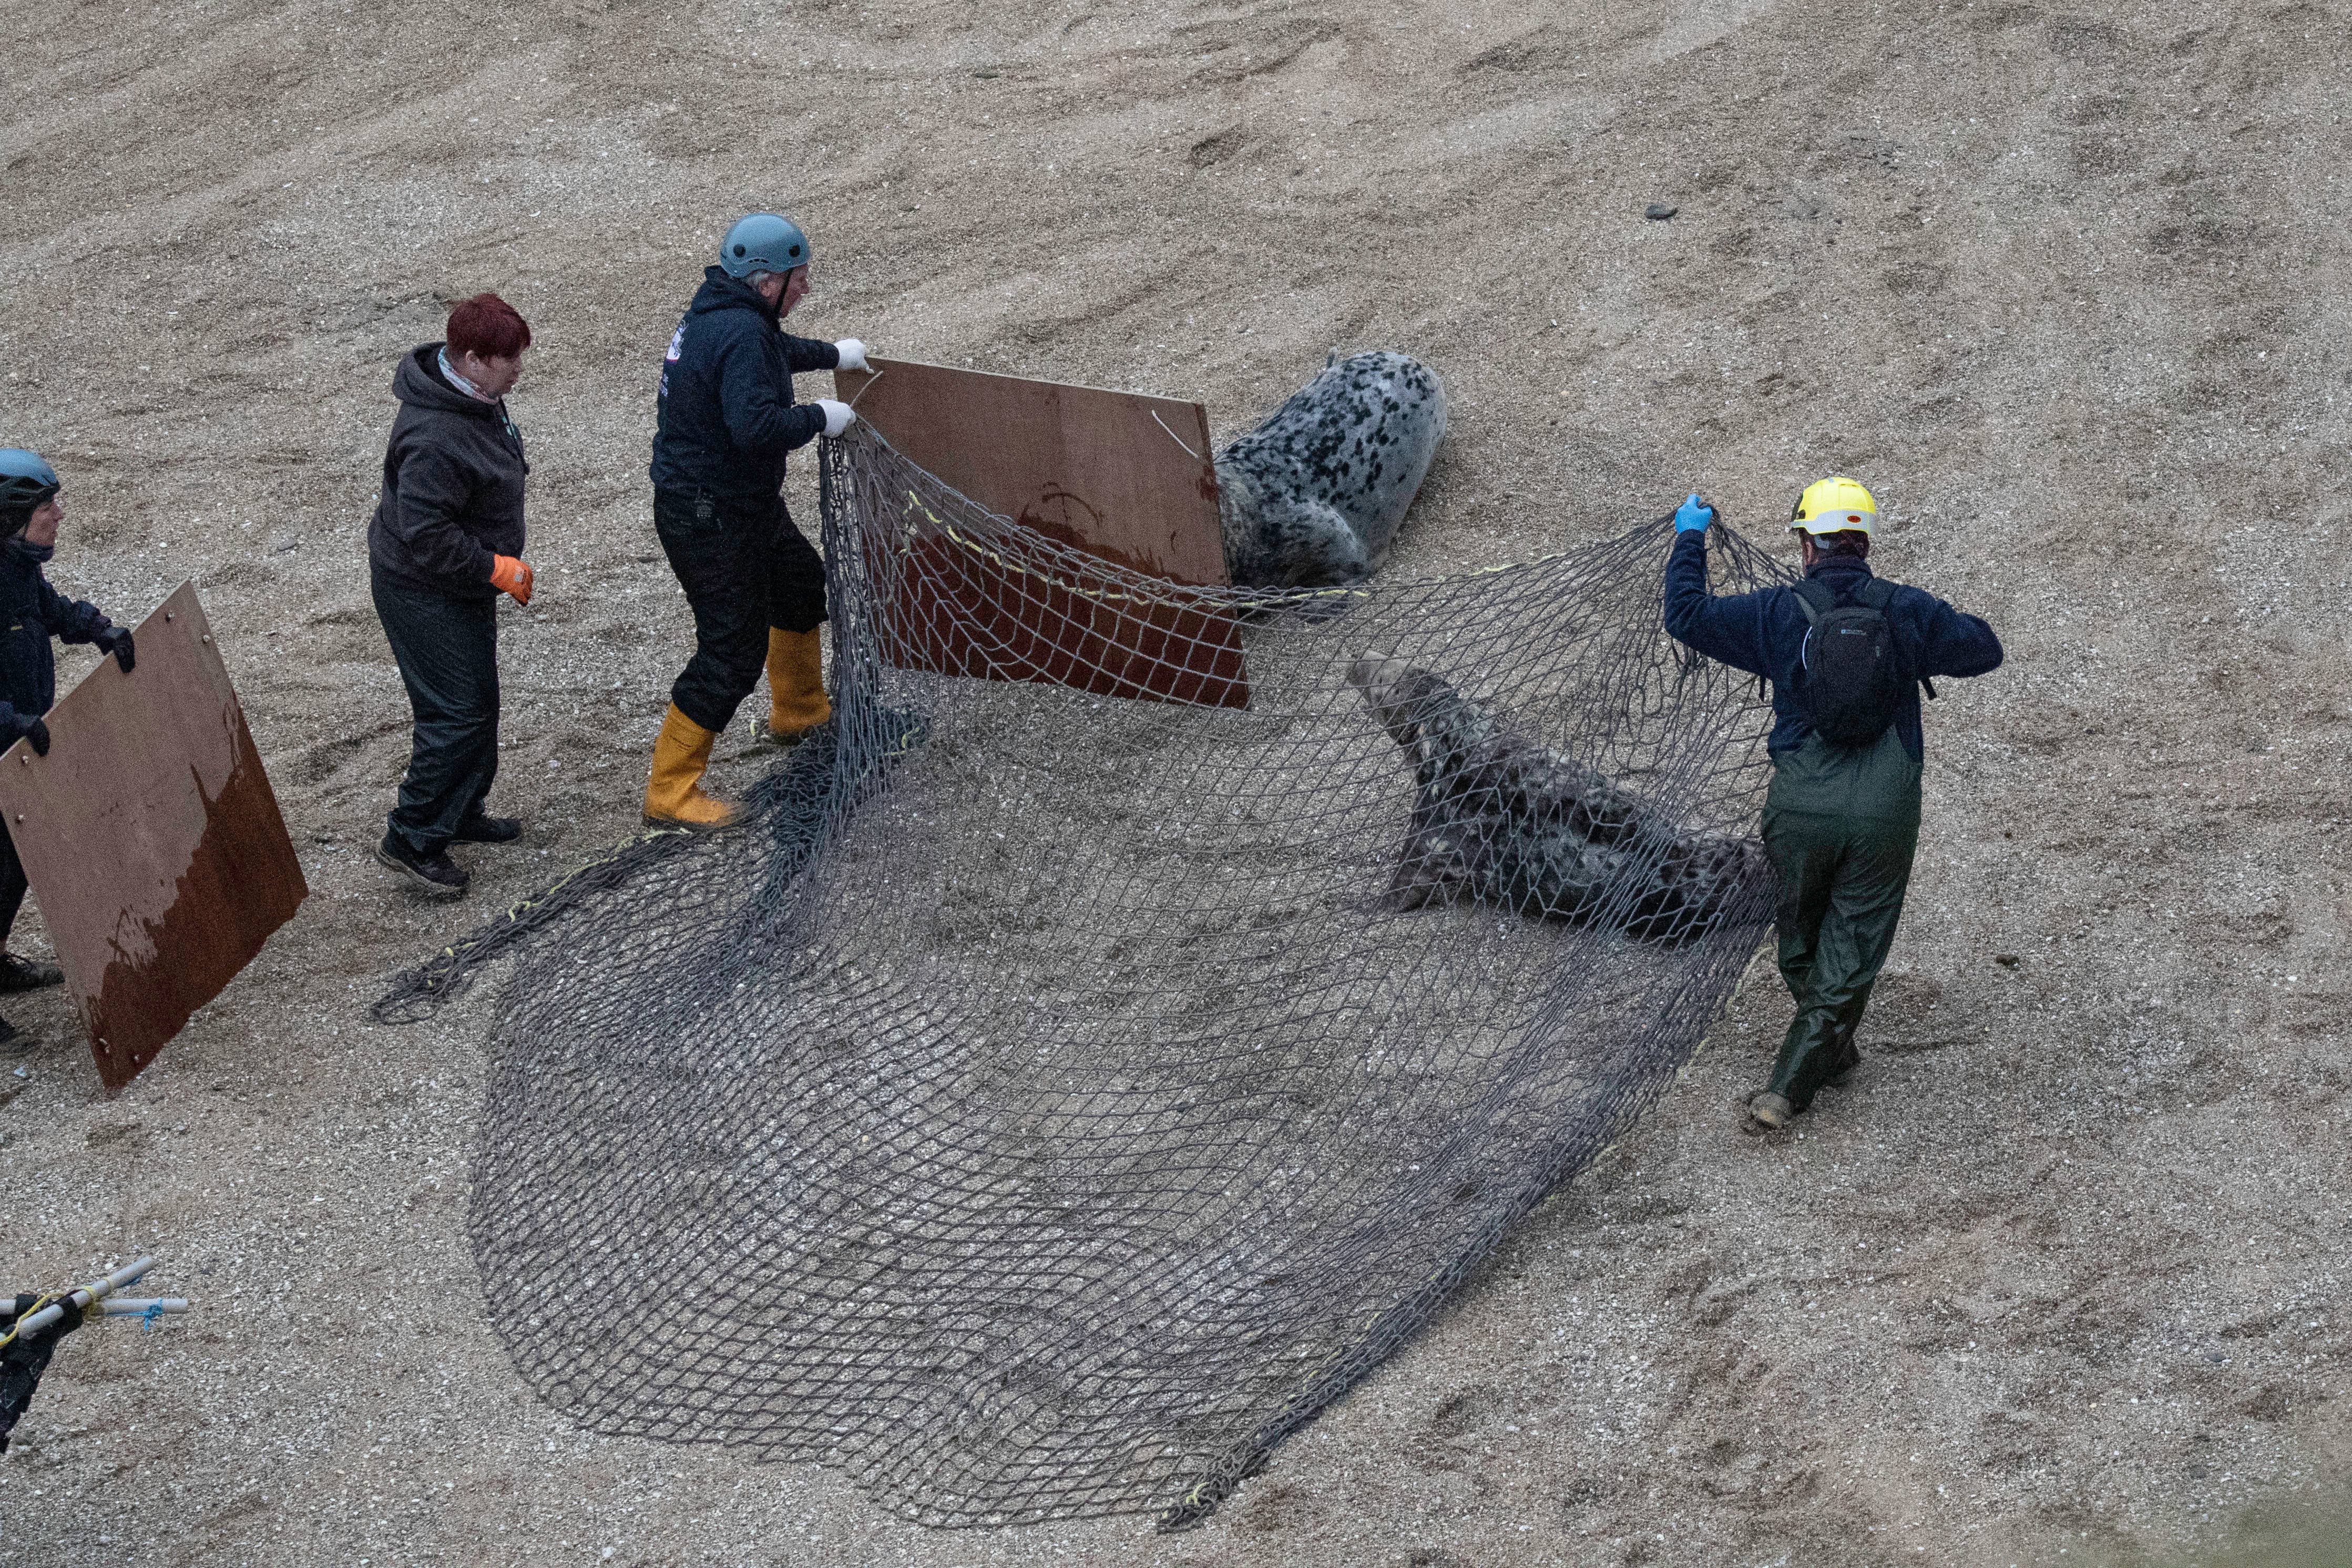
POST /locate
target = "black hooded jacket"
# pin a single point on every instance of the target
(453, 478)
(725, 416)
(36, 612)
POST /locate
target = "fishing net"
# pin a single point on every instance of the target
(1052, 1096)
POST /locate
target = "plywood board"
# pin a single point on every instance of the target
(150, 838)
(1121, 476)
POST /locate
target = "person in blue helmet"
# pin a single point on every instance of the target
(29, 514)
(725, 420)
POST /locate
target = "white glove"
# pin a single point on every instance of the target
(837, 415)
(853, 354)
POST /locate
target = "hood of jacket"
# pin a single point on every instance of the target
(418, 383)
(1843, 572)
(19, 572)
(720, 292)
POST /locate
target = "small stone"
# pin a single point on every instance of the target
(1658, 212)
(2007, 960)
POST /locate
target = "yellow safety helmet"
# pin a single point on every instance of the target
(1834, 506)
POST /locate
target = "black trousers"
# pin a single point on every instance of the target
(448, 654)
(12, 885)
(745, 567)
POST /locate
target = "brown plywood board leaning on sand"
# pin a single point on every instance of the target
(150, 838)
(1121, 476)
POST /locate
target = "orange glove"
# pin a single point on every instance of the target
(511, 575)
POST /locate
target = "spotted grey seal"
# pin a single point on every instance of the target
(1311, 498)
(1504, 820)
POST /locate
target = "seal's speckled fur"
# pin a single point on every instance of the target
(1311, 498)
(1501, 820)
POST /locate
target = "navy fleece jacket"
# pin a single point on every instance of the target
(36, 612)
(1764, 633)
(724, 416)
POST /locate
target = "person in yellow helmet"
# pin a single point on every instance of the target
(1847, 654)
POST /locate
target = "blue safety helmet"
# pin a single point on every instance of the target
(763, 242)
(25, 482)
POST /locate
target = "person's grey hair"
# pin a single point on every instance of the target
(757, 279)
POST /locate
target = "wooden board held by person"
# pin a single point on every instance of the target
(1124, 478)
(150, 838)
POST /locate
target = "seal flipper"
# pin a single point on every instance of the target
(1277, 542)
(1311, 545)
(1417, 883)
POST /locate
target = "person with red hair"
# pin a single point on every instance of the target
(446, 540)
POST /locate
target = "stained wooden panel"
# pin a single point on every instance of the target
(1119, 476)
(150, 838)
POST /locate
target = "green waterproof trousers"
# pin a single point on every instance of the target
(1842, 824)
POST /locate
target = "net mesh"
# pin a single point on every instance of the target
(1051, 1098)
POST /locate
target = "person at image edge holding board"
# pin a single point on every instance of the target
(30, 513)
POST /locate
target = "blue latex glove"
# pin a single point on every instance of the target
(1693, 513)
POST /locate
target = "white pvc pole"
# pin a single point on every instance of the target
(81, 1296)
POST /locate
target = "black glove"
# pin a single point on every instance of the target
(31, 729)
(116, 640)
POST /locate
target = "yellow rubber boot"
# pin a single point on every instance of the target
(796, 685)
(674, 796)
